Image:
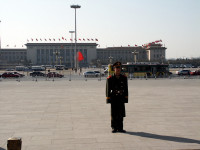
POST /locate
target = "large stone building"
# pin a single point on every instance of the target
(13, 56)
(63, 53)
(60, 53)
(147, 52)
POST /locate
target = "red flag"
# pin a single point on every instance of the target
(92, 39)
(79, 39)
(63, 38)
(59, 39)
(96, 39)
(83, 39)
(80, 56)
(70, 39)
(128, 45)
(135, 45)
(36, 39)
(88, 39)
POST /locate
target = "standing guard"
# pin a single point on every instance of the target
(117, 95)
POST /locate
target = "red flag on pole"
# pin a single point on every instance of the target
(80, 56)
(135, 45)
(83, 39)
(96, 39)
(63, 38)
(88, 39)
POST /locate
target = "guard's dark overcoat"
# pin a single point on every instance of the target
(117, 94)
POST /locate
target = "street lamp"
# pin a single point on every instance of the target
(99, 63)
(0, 34)
(135, 53)
(110, 59)
(75, 7)
(72, 49)
(56, 53)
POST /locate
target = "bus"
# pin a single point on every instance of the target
(142, 69)
(38, 68)
(20, 68)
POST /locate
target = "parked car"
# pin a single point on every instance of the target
(37, 73)
(196, 72)
(90, 74)
(184, 72)
(21, 75)
(54, 74)
(98, 73)
(10, 75)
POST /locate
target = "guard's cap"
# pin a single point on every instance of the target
(117, 64)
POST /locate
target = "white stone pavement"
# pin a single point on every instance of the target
(162, 114)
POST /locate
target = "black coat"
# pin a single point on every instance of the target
(117, 94)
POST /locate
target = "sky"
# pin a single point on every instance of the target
(112, 22)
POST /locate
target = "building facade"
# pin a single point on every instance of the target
(64, 54)
(60, 53)
(147, 52)
(13, 56)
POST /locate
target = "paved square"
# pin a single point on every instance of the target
(162, 114)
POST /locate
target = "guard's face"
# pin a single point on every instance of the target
(117, 70)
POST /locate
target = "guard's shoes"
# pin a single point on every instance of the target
(114, 130)
(122, 131)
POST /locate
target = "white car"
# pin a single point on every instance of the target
(90, 74)
(98, 73)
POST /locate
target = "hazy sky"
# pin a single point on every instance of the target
(112, 22)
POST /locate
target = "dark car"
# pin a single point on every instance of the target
(196, 72)
(21, 75)
(184, 72)
(54, 74)
(10, 75)
(37, 73)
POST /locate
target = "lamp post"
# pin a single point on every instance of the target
(135, 53)
(110, 59)
(99, 62)
(72, 49)
(56, 53)
(75, 7)
(0, 34)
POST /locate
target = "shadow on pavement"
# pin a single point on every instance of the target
(163, 137)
